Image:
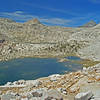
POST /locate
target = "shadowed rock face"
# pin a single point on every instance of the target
(89, 24)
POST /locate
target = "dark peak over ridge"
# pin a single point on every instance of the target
(91, 23)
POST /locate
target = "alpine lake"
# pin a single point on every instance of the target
(33, 68)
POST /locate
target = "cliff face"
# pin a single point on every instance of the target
(34, 39)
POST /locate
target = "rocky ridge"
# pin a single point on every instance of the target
(32, 38)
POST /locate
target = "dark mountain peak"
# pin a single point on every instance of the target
(91, 23)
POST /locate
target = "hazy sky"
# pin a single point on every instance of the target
(52, 12)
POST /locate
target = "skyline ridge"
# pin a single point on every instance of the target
(38, 21)
(52, 12)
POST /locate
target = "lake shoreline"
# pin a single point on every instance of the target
(39, 56)
(49, 65)
(68, 85)
(67, 88)
(61, 58)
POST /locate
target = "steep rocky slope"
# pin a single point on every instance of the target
(35, 39)
(33, 31)
(91, 37)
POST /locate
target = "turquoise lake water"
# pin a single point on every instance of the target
(33, 68)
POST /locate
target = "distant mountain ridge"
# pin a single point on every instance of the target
(89, 24)
(6, 20)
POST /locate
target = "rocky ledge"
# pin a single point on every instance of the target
(80, 85)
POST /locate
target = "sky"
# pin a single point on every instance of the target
(68, 13)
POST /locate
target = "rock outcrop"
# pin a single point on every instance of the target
(84, 96)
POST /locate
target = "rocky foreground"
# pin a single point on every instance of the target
(81, 85)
